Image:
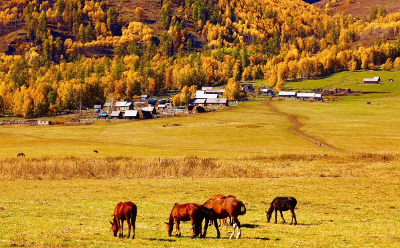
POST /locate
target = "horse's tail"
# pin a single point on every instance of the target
(242, 208)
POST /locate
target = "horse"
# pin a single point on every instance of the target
(282, 204)
(95, 151)
(124, 211)
(185, 212)
(21, 154)
(224, 221)
(223, 208)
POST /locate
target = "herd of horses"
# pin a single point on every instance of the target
(218, 207)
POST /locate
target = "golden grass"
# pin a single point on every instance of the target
(274, 166)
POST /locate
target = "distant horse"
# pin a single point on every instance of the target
(223, 208)
(282, 204)
(21, 154)
(124, 211)
(224, 221)
(95, 151)
(185, 212)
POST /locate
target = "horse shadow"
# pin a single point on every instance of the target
(249, 226)
(162, 240)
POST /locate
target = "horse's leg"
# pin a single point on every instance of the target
(216, 227)
(122, 228)
(293, 216)
(178, 231)
(128, 221)
(282, 216)
(133, 223)
(234, 227)
(239, 231)
(276, 215)
(206, 223)
(119, 227)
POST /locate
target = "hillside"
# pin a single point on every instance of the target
(67, 53)
(359, 8)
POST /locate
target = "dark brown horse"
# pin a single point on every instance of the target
(185, 212)
(224, 208)
(124, 211)
(95, 151)
(21, 154)
(282, 204)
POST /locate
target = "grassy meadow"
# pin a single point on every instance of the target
(332, 212)
(62, 194)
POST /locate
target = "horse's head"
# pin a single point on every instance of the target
(114, 227)
(268, 215)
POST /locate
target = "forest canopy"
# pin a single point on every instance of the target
(62, 54)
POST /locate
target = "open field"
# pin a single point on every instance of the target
(331, 212)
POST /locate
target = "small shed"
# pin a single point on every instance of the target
(144, 97)
(43, 122)
(148, 112)
(97, 108)
(200, 94)
(374, 80)
(116, 115)
(161, 106)
(267, 92)
(131, 114)
(247, 87)
(103, 116)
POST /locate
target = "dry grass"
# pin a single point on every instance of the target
(292, 165)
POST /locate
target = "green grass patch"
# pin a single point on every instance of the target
(331, 212)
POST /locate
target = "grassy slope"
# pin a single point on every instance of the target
(332, 212)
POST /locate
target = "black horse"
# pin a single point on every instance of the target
(282, 204)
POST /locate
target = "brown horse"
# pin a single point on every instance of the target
(21, 154)
(95, 151)
(124, 211)
(282, 204)
(185, 212)
(224, 221)
(223, 208)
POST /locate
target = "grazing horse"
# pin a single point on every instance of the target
(95, 151)
(223, 208)
(21, 154)
(224, 221)
(282, 204)
(124, 211)
(185, 212)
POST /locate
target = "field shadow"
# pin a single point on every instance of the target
(249, 226)
(162, 240)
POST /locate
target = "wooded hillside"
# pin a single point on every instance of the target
(66, 53)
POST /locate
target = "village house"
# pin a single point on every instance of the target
(374, 80)
(131, 114)
(116, 115)
(123, 106)
(222, 102)
(148, 112)
(200, 94)
(287, 94)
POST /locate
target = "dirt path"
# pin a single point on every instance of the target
(295, 129)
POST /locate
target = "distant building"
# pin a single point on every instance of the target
(123, 105)
(97, 108)
(116, 115)
(222, 102)
(267, 92)
(374, 80)
(131, 114)
(287, 94)
(43, 122)
(200, 94)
